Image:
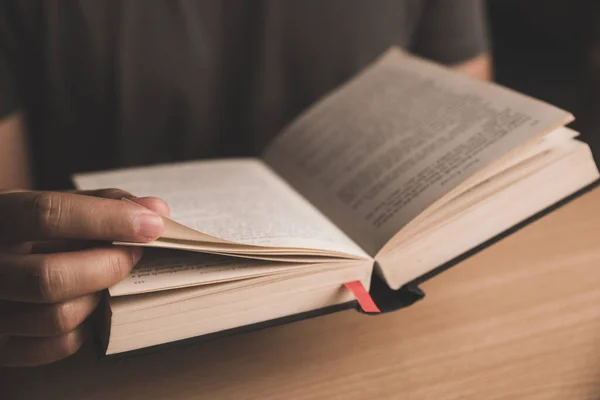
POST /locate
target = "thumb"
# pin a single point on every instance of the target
(152, 203)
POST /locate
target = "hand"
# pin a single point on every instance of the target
(52, 267)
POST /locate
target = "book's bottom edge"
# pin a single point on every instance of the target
(234, 331)
(540, 214)
(389, 300)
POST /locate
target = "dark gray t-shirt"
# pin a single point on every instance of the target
(114, 83)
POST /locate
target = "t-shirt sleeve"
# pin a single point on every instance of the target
(8, 100)
(451, 31)
(9, 16)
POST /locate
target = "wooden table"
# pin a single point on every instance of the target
(520, 320)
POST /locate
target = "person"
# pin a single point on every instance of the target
(91, 85)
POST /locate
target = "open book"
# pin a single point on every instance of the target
(402, 169)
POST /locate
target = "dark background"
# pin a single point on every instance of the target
(550, 49)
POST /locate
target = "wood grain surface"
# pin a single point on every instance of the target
(520, 320)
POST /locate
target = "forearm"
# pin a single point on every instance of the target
(15, 171)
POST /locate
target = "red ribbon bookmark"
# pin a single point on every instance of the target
(362, 296)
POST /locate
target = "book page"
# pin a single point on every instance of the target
(171, 269)
(238, 200)
(376, 152)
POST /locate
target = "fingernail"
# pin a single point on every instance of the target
(150, 226)
(136, 254)
(155, 204)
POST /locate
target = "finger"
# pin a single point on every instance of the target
(41, 320)
(29, 351)
(53, 215)
(55, 278)
(108, 193)
(155, 204)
